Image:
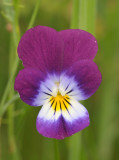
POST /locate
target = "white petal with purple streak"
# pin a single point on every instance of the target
(61, 115)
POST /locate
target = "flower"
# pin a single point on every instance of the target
(58, 73)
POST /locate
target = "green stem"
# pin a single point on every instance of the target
(75, 146)
(92, 13)
(6, 105)
(0, 139)
(75, 14)
(56, 150)
(75, 140)
(106, 131)
(33, 17)
(8, 86)
(87, 15)
(12, 140)
(83, 15)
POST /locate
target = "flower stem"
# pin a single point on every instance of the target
(33, 17)
(8, 87)
(83, 17)
(12, 140)
(83, 14)
(87, 15)
(75, 147)
(75, 140)
(75, 14)
(56, 150)
(6, 105)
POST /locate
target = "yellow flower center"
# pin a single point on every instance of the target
(60, 102)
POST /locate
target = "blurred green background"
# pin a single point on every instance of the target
(19, 139)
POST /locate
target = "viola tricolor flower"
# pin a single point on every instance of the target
(58, 73)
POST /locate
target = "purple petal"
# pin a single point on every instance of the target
(78, 45)
(63, 123)
(27, 83)
(87, 75)
(41, 48)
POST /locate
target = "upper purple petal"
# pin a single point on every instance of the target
(78, 45)
(88, 77)
(27, 83)
(41, 48)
